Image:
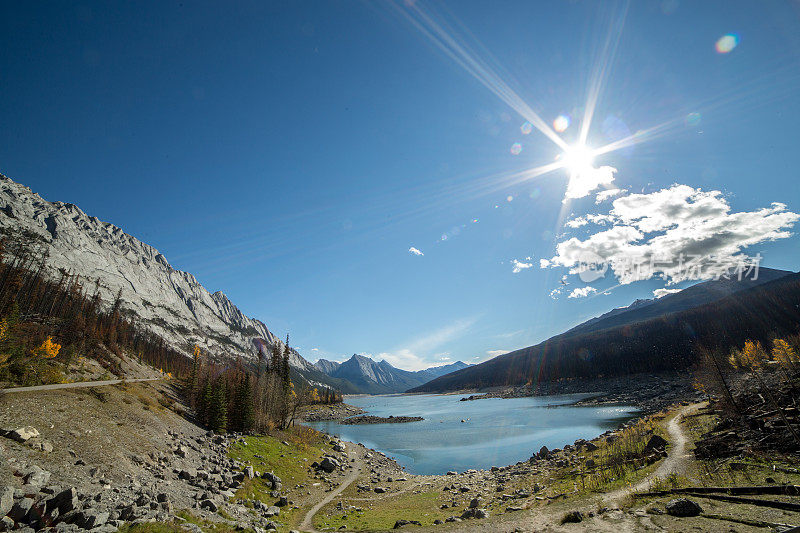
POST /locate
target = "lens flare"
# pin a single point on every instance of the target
(726, 43)
(693, 119)
(526, 128)
(516, 148)
(561, 123)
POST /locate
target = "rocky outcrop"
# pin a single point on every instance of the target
(169, 302)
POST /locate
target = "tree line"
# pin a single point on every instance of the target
(244, 399)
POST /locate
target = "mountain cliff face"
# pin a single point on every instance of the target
(169, 302)
(368, 377)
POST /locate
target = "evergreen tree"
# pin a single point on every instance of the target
(218, 415)
(244, 405)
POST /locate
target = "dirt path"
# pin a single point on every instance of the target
(677, 460)
(307, 523)
(77, 385)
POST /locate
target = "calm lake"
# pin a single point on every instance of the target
(496, 431)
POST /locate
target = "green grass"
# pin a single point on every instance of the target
(382, 514)
(290, 463)
(175, 526)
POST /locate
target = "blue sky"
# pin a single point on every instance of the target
(291, 154)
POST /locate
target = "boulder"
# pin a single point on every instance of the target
(6, 524)
(590, 446)
(249, 472)
(65, 501)
(475, 503)
(91, 518)
(572, 517)
(23, 434)
(329, 464)
(543, 452)
(6, 500)
(401, 523)
(210, 505)
(683, 507)
(187, 474)
(656, 442)
(272, 510)
(21, 510)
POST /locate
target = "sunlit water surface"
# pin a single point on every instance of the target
(496, 431)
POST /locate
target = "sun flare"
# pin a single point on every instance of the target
(577, 159)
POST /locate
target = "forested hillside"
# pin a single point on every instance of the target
(669, 342)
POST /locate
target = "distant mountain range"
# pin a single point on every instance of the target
(648, 335)
(360, 374)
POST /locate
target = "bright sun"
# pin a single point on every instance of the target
(577, 159)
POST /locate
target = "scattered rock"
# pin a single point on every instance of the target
(475, 513)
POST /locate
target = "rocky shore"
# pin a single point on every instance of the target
(371, 419)
(649, 392)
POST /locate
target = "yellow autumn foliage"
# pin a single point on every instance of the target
(48, 349)
(783, 352)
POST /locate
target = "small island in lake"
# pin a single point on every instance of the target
(371, 419)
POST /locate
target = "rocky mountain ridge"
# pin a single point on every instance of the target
(370, 377)
(169, 302)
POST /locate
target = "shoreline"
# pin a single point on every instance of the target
(653, 394)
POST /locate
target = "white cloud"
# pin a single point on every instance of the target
(578, 222)
(314, 349)
(519, 266)
(495, 353)
(602, 196)
(678, 233)
(544, 263)
(582, 292)
(658, 293)
(415, 355)
(415, 251)
(583, 183)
